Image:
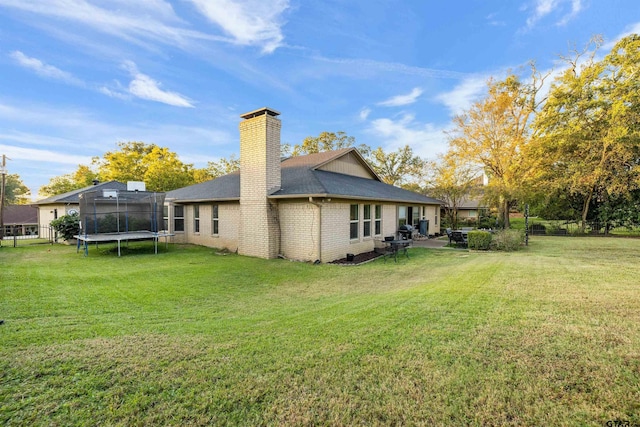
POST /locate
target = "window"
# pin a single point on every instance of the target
(473, 214)
(378, 220)
(196, 218)
(165, 217)
(366, 230)
(402, 215)
(214, 219)
(354, 218)
(178, 218)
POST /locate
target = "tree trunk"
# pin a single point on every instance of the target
(585, 210)
(506, 207)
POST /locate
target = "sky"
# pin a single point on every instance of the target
(79, 76)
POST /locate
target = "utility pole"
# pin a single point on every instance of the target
(3, 172)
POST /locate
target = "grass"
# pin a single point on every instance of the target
(544, 336)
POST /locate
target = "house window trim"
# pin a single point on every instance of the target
(377, 220)
(355, 221)
(196, 219)
(215, 220)
(178, 218)
(366, 221)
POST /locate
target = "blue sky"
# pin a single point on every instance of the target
(78, 76)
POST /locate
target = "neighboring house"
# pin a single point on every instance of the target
(20, 220)
(470, 209)
(63, 204)
(314, 207)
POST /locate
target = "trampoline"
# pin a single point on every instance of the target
(118, 215)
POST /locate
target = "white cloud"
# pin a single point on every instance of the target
(135, 21)
(364, 113)
(463, 95)
(112, 93)
(426, 140)
(576, 7)
(37, 155)
(43, 69)
(249, 22)
(400, 100)
(145, 87)
(544, 8)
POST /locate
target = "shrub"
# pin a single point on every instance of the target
(67, 225)
(507, 240)
(479, 240)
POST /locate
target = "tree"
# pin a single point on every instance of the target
(158, 167)
(589, 129)
(82, 177)
(223, 166)
(16, 192)
(397, 166)
(494, 134)
(326, 141)
(452, 180)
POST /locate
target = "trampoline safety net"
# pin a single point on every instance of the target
(119, 211)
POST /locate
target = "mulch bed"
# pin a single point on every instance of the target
(358, 259)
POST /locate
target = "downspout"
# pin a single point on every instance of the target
(319, 205)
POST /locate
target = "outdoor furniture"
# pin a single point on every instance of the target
(392, 247)
(459, 237)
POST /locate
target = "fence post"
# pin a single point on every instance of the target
(526, 224)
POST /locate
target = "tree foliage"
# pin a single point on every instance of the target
(589, 129)
(326, 141)
(82, 177)
(16, 192)
(223, 166)
(396, 167)
(158, 167)
(452, 180)
(494, 133)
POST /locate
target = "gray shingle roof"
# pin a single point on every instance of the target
(72, 196)
(20, 214)
(301, 178)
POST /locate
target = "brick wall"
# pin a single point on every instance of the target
(300, 231)
(260, 175)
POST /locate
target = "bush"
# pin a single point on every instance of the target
(67, 225)
(479, 240)
(507, 240)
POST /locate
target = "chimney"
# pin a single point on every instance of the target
(259, 234)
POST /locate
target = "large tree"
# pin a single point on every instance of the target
(15, 191)
(494, 134)
(396, 167)
(589, 129)
(82, 177)
(223, 166)
(452, 180)
(158, 167)
(325, 141)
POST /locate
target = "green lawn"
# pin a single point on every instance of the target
(549, 335)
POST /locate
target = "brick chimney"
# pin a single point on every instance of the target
(259, 234)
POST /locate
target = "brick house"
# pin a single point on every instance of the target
(314, 207)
